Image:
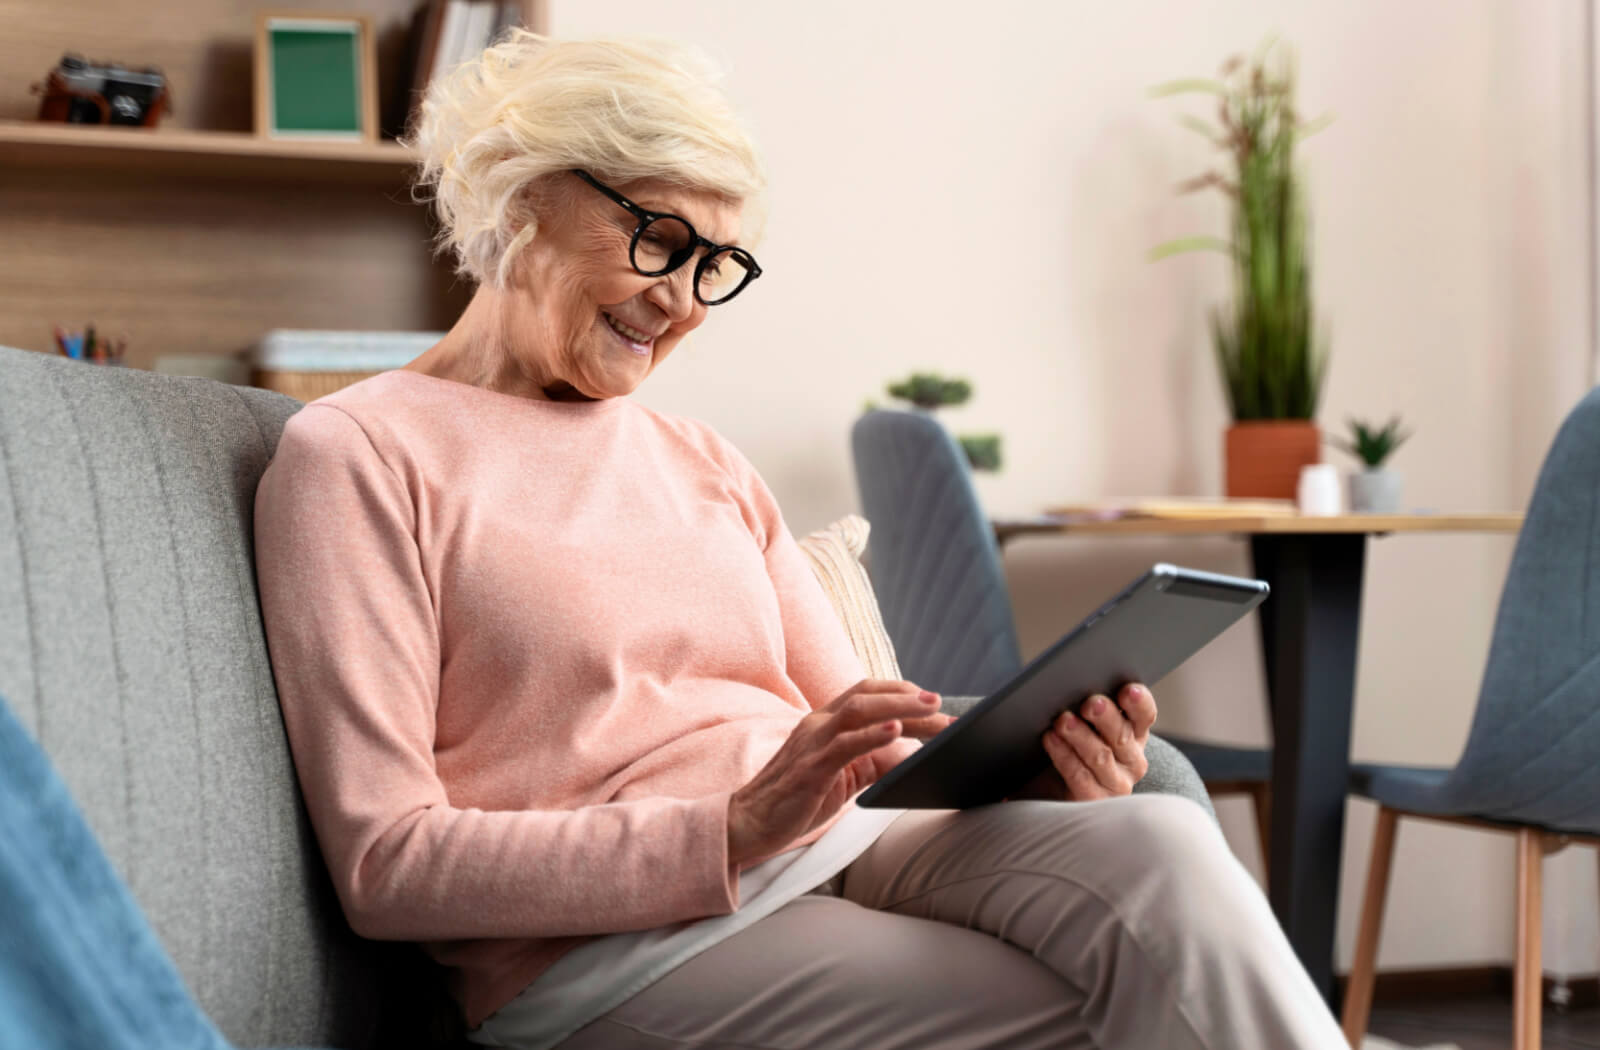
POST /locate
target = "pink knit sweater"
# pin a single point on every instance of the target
(525, 651)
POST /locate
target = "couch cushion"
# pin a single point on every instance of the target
(131, 645)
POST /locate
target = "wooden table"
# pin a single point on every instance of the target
(1309, 628)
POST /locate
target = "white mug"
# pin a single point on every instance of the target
(1319, 490)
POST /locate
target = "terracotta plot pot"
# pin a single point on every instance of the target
(1264, 457)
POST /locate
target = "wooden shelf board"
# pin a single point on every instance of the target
(211, 153)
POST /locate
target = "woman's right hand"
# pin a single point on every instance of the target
(830, 755)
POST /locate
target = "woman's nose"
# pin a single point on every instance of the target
(674, 292)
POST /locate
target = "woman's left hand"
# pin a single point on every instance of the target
(1097, 752)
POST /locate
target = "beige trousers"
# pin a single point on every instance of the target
(1117, 924)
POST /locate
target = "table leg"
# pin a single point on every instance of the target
(1265, 559)
(1310, 628)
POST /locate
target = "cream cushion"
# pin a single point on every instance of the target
(835, 554)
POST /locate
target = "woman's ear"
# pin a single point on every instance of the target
(512, 269)
(525, 212)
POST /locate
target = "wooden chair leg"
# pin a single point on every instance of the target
(1363, 968)
(1261, 797)
(1528, 985)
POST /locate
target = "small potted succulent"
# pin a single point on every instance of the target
(1376, 489)
(928, 391)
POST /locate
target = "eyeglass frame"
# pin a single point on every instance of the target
(645, 217)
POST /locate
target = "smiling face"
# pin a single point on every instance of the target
(579, 315)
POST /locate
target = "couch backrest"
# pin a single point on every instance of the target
(131, 645)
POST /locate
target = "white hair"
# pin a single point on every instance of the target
(531, 106)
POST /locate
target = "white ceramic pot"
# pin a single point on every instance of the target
(1375, 492)
(1319, 490)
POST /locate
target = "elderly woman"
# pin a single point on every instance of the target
(569, 707)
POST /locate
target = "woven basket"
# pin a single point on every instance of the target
(305, 386)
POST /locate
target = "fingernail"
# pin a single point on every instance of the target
(1097, 705)
(1069, 718)
(929, 698)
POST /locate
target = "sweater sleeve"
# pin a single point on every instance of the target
(352, 628)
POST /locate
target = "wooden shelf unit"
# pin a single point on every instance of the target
(198, 236)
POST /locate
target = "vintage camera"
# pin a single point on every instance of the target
(81, 92)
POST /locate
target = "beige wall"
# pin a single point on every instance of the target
(973, 187)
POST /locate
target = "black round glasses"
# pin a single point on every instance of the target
(662, 242)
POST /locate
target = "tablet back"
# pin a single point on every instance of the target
(1141, 635)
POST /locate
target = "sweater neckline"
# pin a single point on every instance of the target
(537, 404)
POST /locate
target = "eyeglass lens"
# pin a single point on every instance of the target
(667, 242)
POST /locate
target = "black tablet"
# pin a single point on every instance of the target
(1141, 635)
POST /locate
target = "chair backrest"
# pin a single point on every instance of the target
(1530, 756)
(933, 557)
(131, 646)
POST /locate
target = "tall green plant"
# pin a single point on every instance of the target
(1267, 347)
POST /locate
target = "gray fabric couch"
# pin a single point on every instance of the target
(131, 645)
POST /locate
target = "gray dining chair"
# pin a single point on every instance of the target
(935, 566)
(1529, 766)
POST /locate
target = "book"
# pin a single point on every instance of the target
(429, 31)
(452, 38)
(1175, 508)
(508, 14)
(475, 36)
(315, 350)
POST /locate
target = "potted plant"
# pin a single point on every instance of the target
(927, 391)
(1375, 490)
(1271, 358)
